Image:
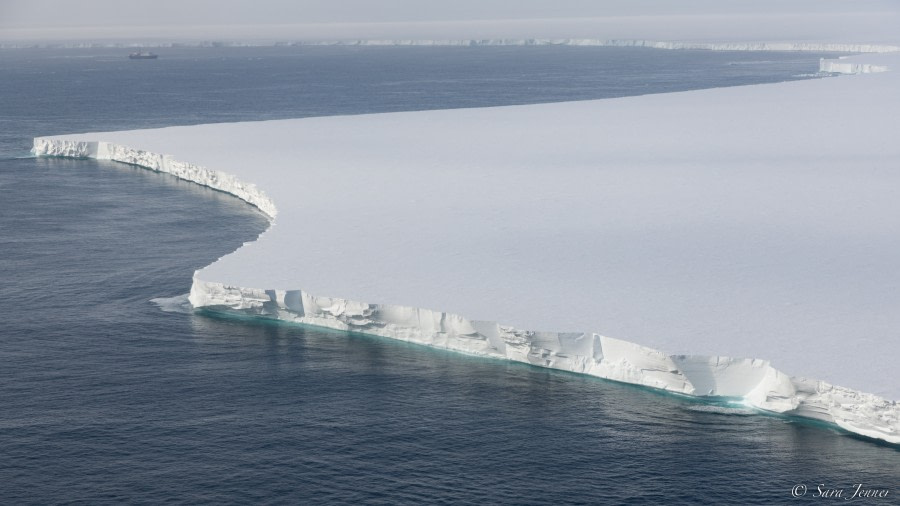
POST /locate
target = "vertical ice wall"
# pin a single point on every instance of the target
(755, 382)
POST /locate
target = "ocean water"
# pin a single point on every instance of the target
(107, 397)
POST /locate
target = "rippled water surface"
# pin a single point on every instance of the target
(105, 397)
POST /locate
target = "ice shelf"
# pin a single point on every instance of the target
(757, 221)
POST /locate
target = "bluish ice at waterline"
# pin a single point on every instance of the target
(106, 398)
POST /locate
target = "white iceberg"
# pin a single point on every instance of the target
(757, 221)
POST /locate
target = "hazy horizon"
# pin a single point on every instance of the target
(305, 19)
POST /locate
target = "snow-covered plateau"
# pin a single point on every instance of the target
(755, 221)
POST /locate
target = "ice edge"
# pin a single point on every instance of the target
(708, 377)
(467, 42)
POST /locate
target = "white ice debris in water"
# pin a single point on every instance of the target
(720, 410)
(177, 304)
(756, 221)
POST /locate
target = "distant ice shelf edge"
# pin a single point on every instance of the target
(754, 381)
(583, 42)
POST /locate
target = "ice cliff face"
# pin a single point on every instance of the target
(840, 66)
(216, 180)
(754, 382)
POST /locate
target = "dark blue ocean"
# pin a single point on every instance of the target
(107, 397)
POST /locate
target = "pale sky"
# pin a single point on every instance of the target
(58, 13)
(23, 19)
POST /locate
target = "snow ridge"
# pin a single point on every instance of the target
(755, 381)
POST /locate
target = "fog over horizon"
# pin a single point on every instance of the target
(160, 19)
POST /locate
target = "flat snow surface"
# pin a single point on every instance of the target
(759, 221)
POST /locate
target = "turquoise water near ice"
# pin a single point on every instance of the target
(106, 398)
